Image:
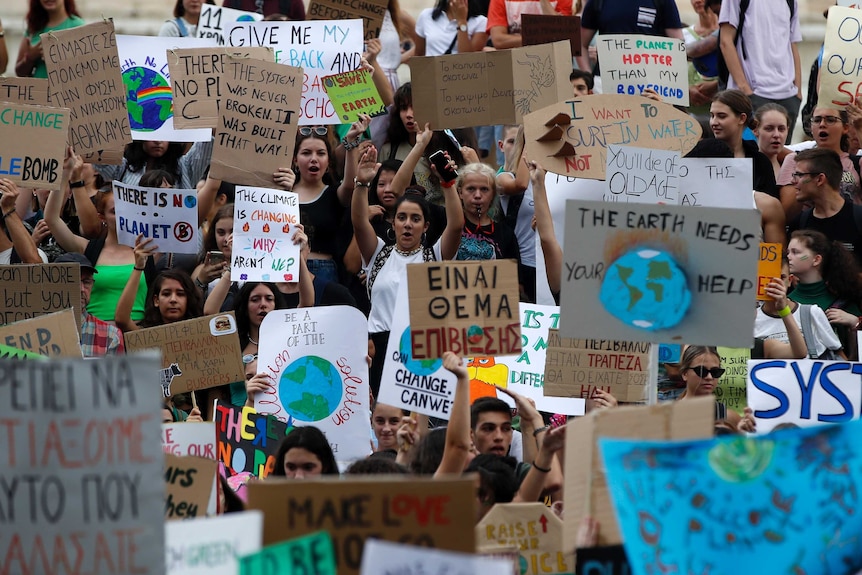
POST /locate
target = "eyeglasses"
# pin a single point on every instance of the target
(248, 358)
(830, 120)
(797, 175)
(318, 130)
(702, 371)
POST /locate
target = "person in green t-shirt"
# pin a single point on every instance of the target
(43, 16)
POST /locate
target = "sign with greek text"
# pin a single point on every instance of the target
(659, 273)
(716, 182)
(840, 72)
(188, 482)
(197, 79)
(28, 291)
(212, 546)
(51, 335)
(487, 88)
(33, 91)
(632, 63)
(166, 215)
(264, 225)
(789, 493)
(33, 144)
(82, 467)
(353, 93)
(147, 87)
(84, 75)
(257, 121)
(371, 12)
(548, 28)
(214, 19)
(803, 392)
(247, 441)
(308, 554)
(387, 557)
(572, 136)
(534, 529)
(768, 267)
(730, 389)
(316, 360)
(320, 48)
(196, 353)
(195, 439)
(468, 307)
(436, 513)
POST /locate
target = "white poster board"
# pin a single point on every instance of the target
(387, 557)
(632, 63)
(717, 182)
(264, 225)
(212, 546)
(167, 215)
(213, 20)
(840, 73)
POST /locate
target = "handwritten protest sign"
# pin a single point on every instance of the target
(315, 358)
(609, 560)
(309, 554)
(768, 267)
(263, 248)
(840, 73)
(196, 353)
(192, 439)
(320, 48)
(468, 307)
(33, 91)
(33, 144)
(548, 28)
(571, 137)
(212, 546)
(643, 272)
(84, 75)
(486, 88)
(256, 128)
(587, 485)
(189, 483)
(82, 467)
(353, 93)
(247, 441)
(388, 557)
(52, 335)
(789, 493)
(531, 527)
(731, 386)
(632, 63)
(213, 20)
(371, 12)
(803, 392)
(849, 3)
(28, 291)
(147, 82)
(168, 216)
(197, 80)
(576, 367)
(434, 513)
(716, 182)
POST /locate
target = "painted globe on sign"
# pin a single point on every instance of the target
(646, 289)
(310, 388)
(148, 98)
(417, 366)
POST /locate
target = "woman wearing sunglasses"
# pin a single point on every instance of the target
(700, 367)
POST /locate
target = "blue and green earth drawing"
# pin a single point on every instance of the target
(310, 388)
(148, 98)
(417, 366)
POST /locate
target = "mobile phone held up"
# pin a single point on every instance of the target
(441, 162)
(215, 257)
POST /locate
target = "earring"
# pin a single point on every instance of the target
(424, 237)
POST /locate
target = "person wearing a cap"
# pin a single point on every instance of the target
(98, 338)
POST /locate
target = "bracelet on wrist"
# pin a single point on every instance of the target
(785, 311)
(539, 430)
(9, 213)
(200, 284)
(542, 469)
(137, 269)
(358, 184)
(350, 145)
(78, 184)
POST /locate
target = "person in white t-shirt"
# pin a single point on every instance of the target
(451, 27)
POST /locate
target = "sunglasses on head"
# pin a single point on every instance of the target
(701, 371)
(318, 130)
(248, 358)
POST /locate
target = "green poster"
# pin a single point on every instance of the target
(353, 93)
(308, 554)
(731, 387)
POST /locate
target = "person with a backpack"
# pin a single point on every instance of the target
(185, 21)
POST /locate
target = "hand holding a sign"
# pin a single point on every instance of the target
(284, 178)
(144, 248)
(259, 383)
(8, 195)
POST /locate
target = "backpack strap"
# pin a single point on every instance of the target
(379, 262)
(807, 330)
(181, 26)
(452, 45)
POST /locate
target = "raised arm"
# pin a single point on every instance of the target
(345, 190)
(28, 56)
(545, 474)
(22, 241)
(450, 241)
(363, 231)
(405, 173)
(545, 227)
(458, 442)
(206, 197)
(59, 229)
(144, 248)
(306, 285)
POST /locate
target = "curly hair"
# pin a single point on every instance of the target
(839, 269)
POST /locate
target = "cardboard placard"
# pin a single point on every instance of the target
(188, 483)
(197, 80)
(196, 439)
(388, 557)
(730, 389)
(82, 467)
(320, 48)
(371, 12)
(607, 560)
(587, 492)
(352, 94)
(788, 493)
(840, 74)
(84, 75)
(247, 441)
(192, 546)
(549, 28)
(531, 527)
(32, 91)
(28, 291)
(33, 144)
(571, 137)
(469, 307)
(148, 91)
(196, 353)
(576, 367)
(265, 223)
(768, 267)
(803, 392)
(214, 19)
(309, 554)
(316, 360)
(639, 272)
(487, 88)
(256, 129)
(436, 513)
(168, 216)
(51, 335)
(632, 62)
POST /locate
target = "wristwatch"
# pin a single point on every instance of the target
(462, 27)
